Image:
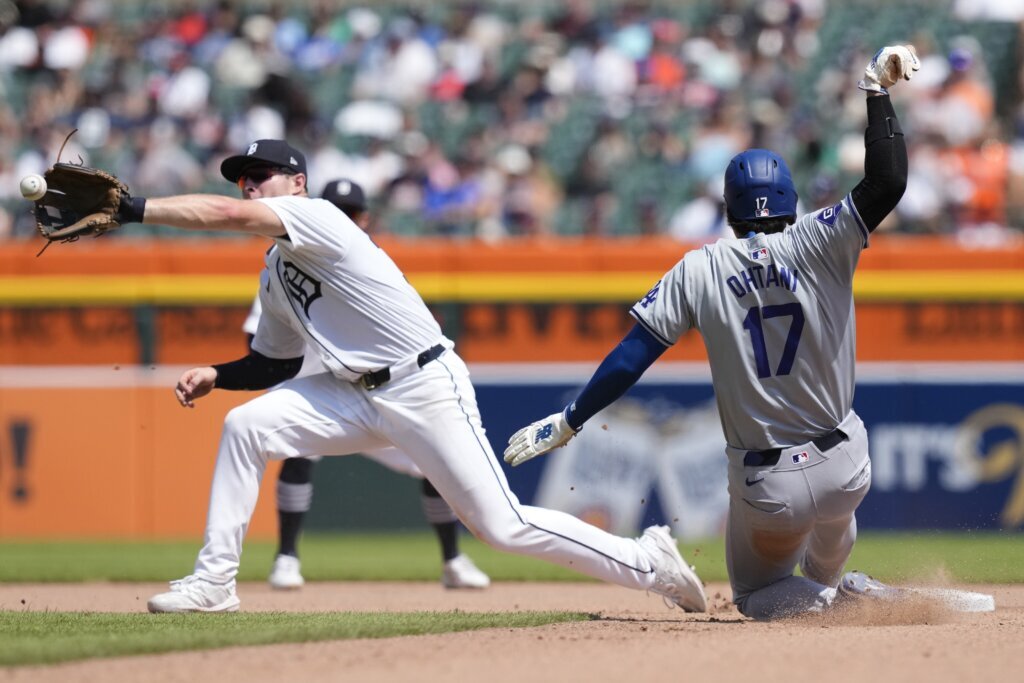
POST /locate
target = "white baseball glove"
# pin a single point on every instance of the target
(540, 437)
(890, 65)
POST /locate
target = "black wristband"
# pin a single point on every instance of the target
(131, 209)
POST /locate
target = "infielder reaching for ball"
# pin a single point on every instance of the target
(393, 380)
(295, 480)
(775, 309)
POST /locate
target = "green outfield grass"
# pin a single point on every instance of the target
(52, 637)
(990, 557)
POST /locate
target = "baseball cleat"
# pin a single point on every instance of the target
(460, 572)
(673, 578)
(195, 594)
(286, 573)
(857, 585)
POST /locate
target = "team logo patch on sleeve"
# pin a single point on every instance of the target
(828, 216)
(651, 296)
(800, 457)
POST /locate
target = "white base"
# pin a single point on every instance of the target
(958, 600)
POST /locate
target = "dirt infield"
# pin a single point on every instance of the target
(636, 638)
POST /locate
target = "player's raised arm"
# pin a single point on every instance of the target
(885, 157)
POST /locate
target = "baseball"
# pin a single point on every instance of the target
(33, 187)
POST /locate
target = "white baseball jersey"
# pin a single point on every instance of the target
(777, 318)
(357, 318)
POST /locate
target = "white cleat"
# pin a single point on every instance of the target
(195, 594)
(673, 578)
(286, 574)
(460, 572)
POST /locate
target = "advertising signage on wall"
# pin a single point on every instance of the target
(946, 440)
(947, 448)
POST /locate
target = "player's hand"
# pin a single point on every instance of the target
(889, 66)
(540, 437)
(193, 384)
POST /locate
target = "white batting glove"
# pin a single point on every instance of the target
(889, 66)
(540, 437)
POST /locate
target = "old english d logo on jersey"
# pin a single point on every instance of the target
(302, 287)
(828, 216)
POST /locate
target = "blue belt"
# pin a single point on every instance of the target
(770, 456)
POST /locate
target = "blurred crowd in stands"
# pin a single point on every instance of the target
(494, 119)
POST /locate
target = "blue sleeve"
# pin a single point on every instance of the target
(617, 373)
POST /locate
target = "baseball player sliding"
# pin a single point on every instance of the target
(295, 480)
(393, 380)
(775, 310)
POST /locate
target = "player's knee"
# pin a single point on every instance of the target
(742, 604)
(500, 535)
(239, 422)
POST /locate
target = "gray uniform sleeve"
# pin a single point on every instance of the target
(665, 311)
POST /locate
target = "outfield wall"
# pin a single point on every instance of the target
(122, 302)
(87, 452)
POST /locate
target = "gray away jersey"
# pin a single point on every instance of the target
(329, 286)
(777, 318)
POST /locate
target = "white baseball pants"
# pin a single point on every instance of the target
(432, 416)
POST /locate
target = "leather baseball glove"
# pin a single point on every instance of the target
(79, 201)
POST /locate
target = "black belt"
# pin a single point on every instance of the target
(372, 380)
(770, 456)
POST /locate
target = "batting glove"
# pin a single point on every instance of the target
(889, 66)
(540, 437)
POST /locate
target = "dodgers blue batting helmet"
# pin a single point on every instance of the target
(758, 185)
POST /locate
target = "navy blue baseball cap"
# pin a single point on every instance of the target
(346, 195)
(264, 153)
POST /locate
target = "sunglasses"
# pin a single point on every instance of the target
(261, 175)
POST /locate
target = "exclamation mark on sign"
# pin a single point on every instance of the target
(19, 441)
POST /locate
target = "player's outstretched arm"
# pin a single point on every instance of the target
(617, 373)
(212, 212)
